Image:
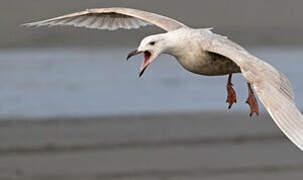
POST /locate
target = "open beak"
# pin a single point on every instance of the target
(147, 59)
(133, 53)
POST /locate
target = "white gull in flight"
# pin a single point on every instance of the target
(203, 52)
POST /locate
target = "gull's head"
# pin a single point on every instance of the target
(151, 47)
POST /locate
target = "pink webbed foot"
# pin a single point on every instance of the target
(252, 102)
(231, 93)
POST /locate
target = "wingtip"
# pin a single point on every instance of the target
(24, 25)
(28, 25)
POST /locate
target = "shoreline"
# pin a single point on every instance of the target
(4, 121)
(201, 145)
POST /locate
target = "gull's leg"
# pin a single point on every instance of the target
(231, 94)
(252, 101)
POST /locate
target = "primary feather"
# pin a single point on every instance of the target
(112, 19)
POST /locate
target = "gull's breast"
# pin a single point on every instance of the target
(209, 64)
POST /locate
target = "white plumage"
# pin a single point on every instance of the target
(192, 48)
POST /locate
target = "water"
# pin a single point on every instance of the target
(60, 82)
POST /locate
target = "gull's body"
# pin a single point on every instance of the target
(186, 45)
(202, 52)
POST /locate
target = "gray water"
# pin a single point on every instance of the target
(61, 82)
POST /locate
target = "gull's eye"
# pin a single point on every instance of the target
(152, 43)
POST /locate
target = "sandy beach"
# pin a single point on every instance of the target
(72, 108)
(164, 146)
(63, 124)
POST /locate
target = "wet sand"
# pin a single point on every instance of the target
(206, 145)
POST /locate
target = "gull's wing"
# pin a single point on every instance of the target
(271, 86)
(112, 19)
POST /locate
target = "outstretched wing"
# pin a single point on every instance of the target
(112, 19)
(271, 86)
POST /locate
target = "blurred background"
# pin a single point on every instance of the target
(71, 107)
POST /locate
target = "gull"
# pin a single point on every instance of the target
(202, 52)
